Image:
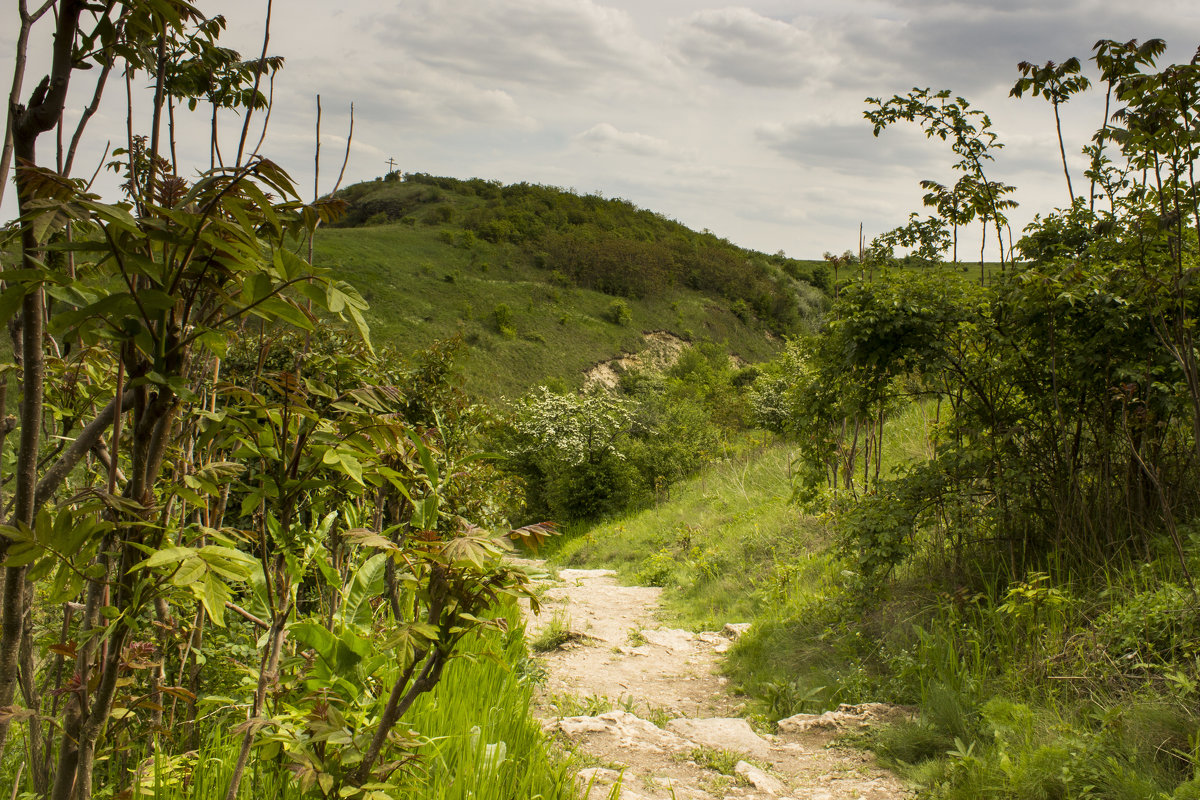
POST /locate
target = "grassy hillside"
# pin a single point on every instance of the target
(720, 544)
(541, 283)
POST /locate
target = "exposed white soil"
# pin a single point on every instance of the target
(661, 352)
(618, 650)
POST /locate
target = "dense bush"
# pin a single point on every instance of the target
(618, 313)
(590, 455)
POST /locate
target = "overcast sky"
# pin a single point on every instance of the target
(743, 119)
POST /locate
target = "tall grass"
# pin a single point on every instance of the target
(716, 540)
(484, 744)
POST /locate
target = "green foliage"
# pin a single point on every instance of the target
(478, 740)
(217, 485)
(618, 313)
(1156, 625)
(502, 316)
(401, 269)
(722, 761)
(718, 540)
(606, 245)
(657, 569)
(554, 634)
(568, 449)
(586, 456)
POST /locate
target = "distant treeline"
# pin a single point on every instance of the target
(609, 245)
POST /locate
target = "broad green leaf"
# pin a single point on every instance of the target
(190, 570)
(11, 300)
(467, 549)
(427, 461)
(367, 583)
(351, 467)
(23, 554)
(229, 563)
(213, 593)
(315, 637)
(368, 538)
(168, 555)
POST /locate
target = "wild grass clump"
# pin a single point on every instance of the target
(481, 740)
(718, 760)
(554, 634)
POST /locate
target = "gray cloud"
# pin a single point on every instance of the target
(849, 147)
(747, 47)
(546, 43)
(740, 115)
(973, 47)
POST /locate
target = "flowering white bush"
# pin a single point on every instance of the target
(570, 430)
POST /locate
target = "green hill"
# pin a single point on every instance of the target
(542, 283)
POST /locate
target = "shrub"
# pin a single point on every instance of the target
(568, 449)
(618, 313)
(592, 489)
(1158, 625)
(656, 569)
(741, 310)
(502, 315)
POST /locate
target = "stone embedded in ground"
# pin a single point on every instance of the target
(846, 717)
(628, 730)
(734, 630)
(759, 779)
(728, 733)
(670, 638)
(641, 650)
(596, 776)
(719, 641)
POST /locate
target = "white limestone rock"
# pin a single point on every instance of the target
(728, 733)
(759, 779)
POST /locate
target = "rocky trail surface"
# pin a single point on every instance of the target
(675, 731)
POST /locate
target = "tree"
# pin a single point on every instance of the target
(968, 130)
(1056, 83)
(153, 491)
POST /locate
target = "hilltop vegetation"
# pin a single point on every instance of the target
(541, 283)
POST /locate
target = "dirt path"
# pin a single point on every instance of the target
(701, 748)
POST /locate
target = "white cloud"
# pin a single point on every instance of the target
(605, 137)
